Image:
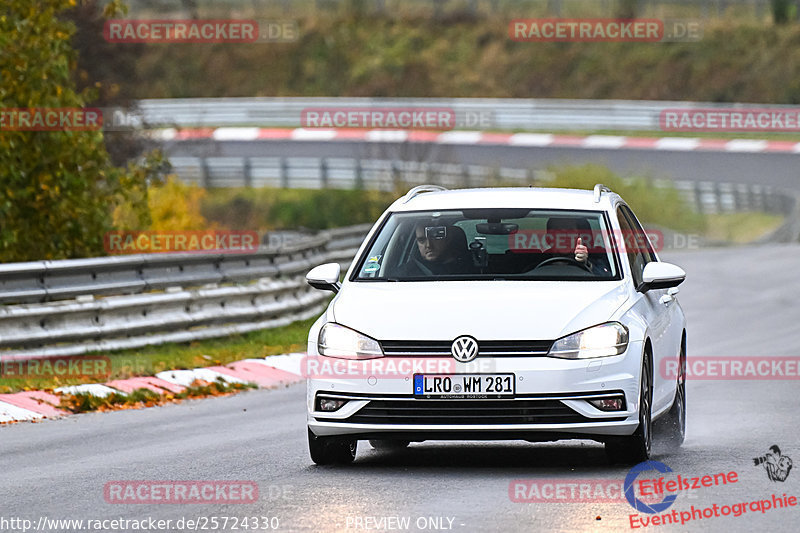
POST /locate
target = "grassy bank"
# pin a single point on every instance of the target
(271, 208)
(153, 359)
(460, 56)
(740, 228)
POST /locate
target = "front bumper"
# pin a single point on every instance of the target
(550, 401)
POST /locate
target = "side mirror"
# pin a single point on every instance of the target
(325, 277)
(659, 275)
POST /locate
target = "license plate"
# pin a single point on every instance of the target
(464, 385)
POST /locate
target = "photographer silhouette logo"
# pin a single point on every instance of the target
(777, 466)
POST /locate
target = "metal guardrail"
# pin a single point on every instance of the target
(392, 175)
(470, 113)
(74, 307)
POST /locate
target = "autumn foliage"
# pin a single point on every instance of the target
(58, 189)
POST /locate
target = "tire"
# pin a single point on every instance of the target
(387, 444)
(672, 430)
(331, 450)
(636, 448)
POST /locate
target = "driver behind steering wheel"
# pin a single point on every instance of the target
(559, 227)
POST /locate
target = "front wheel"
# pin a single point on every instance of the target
(636, 448)
(673, 428)
(331, 450)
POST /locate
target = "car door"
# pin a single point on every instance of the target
(655, 313)
(674, 326)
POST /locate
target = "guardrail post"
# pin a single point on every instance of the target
(248, 172)
(698, 197)
(284, 173)
(465, 176)
(739, 199)
(206, 173)
(359, 178)
(718, 197)
(323, 172)
(395, 176)
(772, 203)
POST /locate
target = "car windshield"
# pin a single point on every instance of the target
(487, 244)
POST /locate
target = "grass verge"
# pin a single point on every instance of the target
(740, 228)
(153, 359)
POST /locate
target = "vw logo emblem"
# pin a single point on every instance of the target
(464, 349)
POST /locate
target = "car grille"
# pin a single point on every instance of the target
(485, 348)
(466, 412)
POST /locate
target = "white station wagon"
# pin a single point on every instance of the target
(506, 313)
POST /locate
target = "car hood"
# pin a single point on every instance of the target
(486, 310)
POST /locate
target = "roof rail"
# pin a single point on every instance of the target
(419, 189)
(598, 190)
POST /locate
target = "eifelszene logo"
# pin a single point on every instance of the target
(636, 503)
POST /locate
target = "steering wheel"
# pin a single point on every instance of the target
(569, 260)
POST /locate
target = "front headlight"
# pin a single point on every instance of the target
(598, 341)
(339, 341)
